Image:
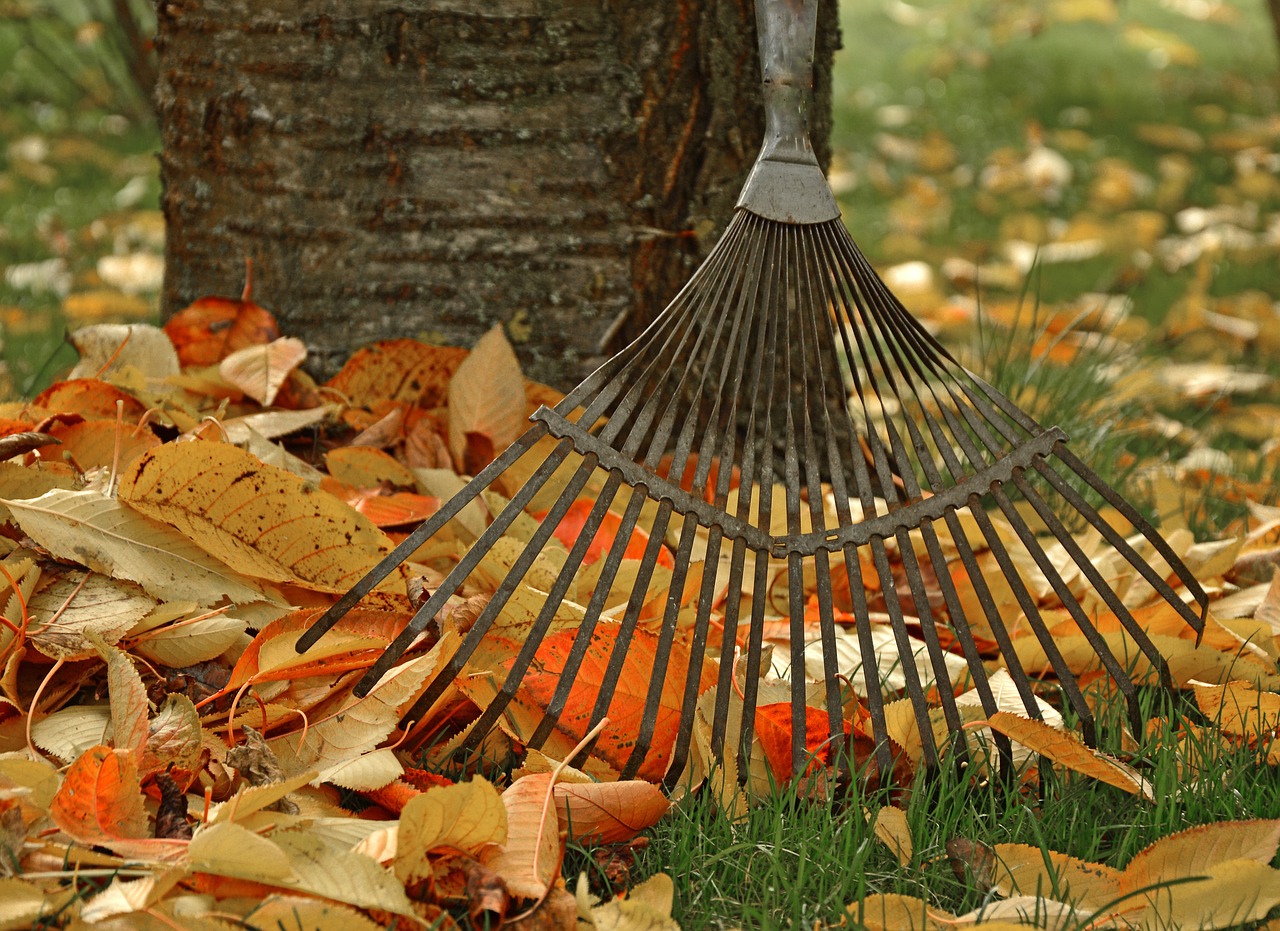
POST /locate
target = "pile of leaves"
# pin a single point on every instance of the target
(181, 507)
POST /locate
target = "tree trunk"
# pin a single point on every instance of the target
(430, 167)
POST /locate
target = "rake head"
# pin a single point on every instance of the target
(788, 474)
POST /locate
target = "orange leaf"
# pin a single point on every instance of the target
(393, 509)
(355, 642)
(625, 710)
(100, 802)
(91, 398)
(608, 812)
(773, 727)
(570, 528)
(212, 328)
(398, 370)
(530, 860)
(92, 443)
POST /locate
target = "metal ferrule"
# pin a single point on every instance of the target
(786, 184)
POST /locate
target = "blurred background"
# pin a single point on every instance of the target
(1096, 179)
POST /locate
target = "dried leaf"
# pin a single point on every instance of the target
(1022, 869)
(101, 444)
(365, 722)
(893, 912)
(1067, 750)
(486, 401)
(130, 355)
(1239, 709)
(76, 607)
(72, 731)
(1233, 893)
(1194, 851)
(22, 904)
(260, 371)
(608, 812)
(104, 534)
(398, 370)
(467, 816)
(646, 907)
(530, 860)
(91, 398)
(173, 736)
(892, 830)
(190, 642)
(212, 328)
(129, 728)
(100, 802)
(258, 519)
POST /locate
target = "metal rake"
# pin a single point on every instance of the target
(906, 492)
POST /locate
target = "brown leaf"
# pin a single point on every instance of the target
(973, 862)
(171, 815)
(18, 444)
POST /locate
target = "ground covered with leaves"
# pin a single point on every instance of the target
(1094, 180)
(187, 501)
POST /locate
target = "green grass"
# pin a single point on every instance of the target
(793, 862)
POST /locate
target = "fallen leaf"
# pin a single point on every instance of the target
(212, 328)
(260, 371)
(101, 532)
(486, 400)
(258, 519)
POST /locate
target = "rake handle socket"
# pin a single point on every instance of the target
(786, 184)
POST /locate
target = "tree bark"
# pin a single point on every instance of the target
(430, 167)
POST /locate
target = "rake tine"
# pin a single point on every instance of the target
(454, 579)
(423, 532)
(1061, 589)
(560, 587)
(582, 640)
(1140, 523)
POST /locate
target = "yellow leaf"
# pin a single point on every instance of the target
(260, 370)
(1195, 851)
(71, 731)
(291, 911)
(1067, 750)
(487, 399)
(646, 907)
(256, 518)
(892, 912)
(340, 875)
(250, 799)
(1022, 870)
(173, 736)
(21, 903)
(366, 772)
(227, 849)
(1239, 709)
(467, 816)
(186, 644)
(892, 830)
(100, 532)
(1232, 893)
(531, 857)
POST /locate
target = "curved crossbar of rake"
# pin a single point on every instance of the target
(749, 372)
(809, 291)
